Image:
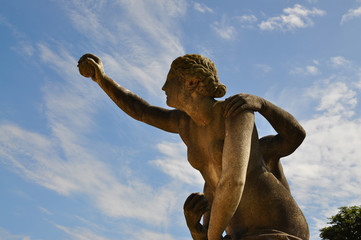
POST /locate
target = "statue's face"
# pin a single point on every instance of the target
(174, 90)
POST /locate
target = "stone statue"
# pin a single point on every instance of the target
(245, 193)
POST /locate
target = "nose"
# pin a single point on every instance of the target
(164, 88)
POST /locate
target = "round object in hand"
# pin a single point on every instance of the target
(85, 68)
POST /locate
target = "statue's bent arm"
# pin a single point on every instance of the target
(235, 159)
(290, 132)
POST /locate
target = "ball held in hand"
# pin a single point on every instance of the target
(85, 68)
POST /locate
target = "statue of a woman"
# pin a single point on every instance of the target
(245, 191)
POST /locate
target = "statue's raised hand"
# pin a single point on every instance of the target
(242, 101)
(91, 66)
(194, 208)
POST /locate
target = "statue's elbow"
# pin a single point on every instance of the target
(296, 141)
(301, 135)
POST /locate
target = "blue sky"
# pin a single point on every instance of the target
(73, 166)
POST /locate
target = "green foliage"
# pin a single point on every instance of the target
(345, 225)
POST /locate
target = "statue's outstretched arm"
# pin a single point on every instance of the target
(290, 132)
(132, 104)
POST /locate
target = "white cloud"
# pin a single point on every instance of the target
(247, 21)
(307, 70)
(312, 69)
(204, 51)
(339, 61)
(336, 98)
(329, 157)
(201, 7)
(65, 162)
(296, 17)
(5, 235)
(140, 235)
(351, 14)
(80, 233)
(22, 45)
(46, 211)
(149, 73)
(224, 30)
(175, 163)
(85, 18)
(62, 157)
(358, 83)
(263, 67)
(156, 19)
(324, 172)
(151, 26)
(247, 18)
(37, 158)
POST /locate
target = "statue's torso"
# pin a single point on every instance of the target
(265, 202)
(205, 147)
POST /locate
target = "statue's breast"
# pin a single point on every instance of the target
(196, 157)
(205, 147)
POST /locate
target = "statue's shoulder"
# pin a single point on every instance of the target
(184, 120)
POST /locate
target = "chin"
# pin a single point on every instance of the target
(169, 104)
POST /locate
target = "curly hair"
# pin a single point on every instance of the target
(202, 72)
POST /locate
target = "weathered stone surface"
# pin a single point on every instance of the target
(246, 192)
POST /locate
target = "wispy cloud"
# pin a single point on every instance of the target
(4, 234)
(263, 67)
(63, 158)
(64, 161)
(247, 21)
(46, 211)
(223, 29)
(296, 17)
(336, 98)
(247, 18)
(151, 26)
(201, 7)
(175, 164)
(139, 235)
(340, 61)
(86, 18)
(307, 70)
(351, 14)
(22, 45)
(329, 155)
(81, 233)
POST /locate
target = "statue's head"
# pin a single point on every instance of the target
(198, 74)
